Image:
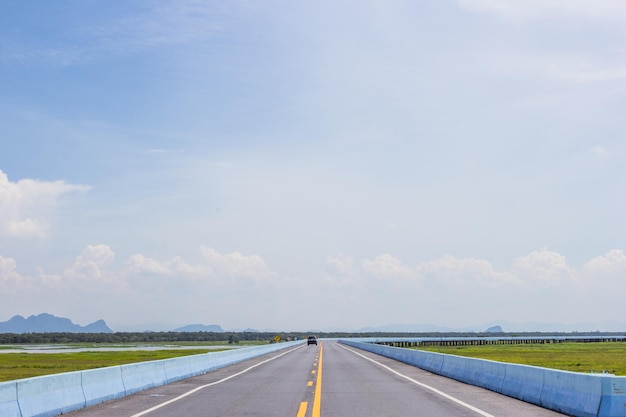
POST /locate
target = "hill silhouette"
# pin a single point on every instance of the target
(48, 323)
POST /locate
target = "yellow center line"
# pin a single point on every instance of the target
(302, 409)
(317, 399)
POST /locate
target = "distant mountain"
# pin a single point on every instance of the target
(47, 323)
(510, 327)
(546, 327)
(200, 328)
(494, 329)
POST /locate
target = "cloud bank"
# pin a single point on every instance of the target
(26, 205)
(229, 288)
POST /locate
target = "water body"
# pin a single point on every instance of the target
(72, 349)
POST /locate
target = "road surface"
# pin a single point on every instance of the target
(329, 380)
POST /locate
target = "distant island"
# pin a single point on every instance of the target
(47, 323)
(200, 328)
(47, 328)
(494, 329)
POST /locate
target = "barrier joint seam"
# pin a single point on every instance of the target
(17, 400)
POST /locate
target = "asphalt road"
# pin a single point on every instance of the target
(329, 380)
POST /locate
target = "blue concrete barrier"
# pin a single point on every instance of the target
(575, 394)
(221, 359)
(571, 393)
(49, 396)
(8, 400)
(103, 384)
(454, 367)
(141, 376)
(485, 374)
(198, 364)
(613, 397)
(52, 395)
(523, 382)
(431, 361)
(180, 368)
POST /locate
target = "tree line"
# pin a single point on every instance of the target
(230, 337)
(129, 337)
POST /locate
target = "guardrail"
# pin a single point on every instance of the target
(575, 394)
(52, 395)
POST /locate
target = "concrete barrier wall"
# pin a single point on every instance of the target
(613, 397)
(523, 382)
(143, 375)
(575, 394)
(454, 367)
(49, 396)
(485, 374)
(52, 395)
(181, 368)
(198, 364)
(8, 400)
(572, 393)
(103, 384)
(432, 362)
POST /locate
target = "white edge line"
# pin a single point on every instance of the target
(180, 397)
(435, 390)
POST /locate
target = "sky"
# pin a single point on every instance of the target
(313, 165)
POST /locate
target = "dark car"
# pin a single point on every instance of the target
(312, 340)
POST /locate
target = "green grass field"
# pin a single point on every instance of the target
(575, 357)
(25, 365)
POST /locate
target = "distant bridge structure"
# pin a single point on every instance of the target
(477, 341)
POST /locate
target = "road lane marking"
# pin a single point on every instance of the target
(302, 409)
(309, 384)
(421, 384)
(317, 399)
(180, 397)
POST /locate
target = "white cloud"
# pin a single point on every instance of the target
(543, 268)
(94, 286)
(143, 285)
(444, 272)
(611, 265)
(236, 265)
(339, 271)
(523, 9)
(26, 205)
(217, 268)
(468, 271)
(176, 267)
(8, 270)
(388, 267)
(92, 263)
(340, 264)
(141, 264)
(217, 271)
(539, 269)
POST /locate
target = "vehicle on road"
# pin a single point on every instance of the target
(312, 340)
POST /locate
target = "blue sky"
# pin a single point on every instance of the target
(448, 162)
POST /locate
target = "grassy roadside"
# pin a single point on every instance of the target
(575, 357)
(26, 365)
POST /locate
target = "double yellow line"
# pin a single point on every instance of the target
(317, 398)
